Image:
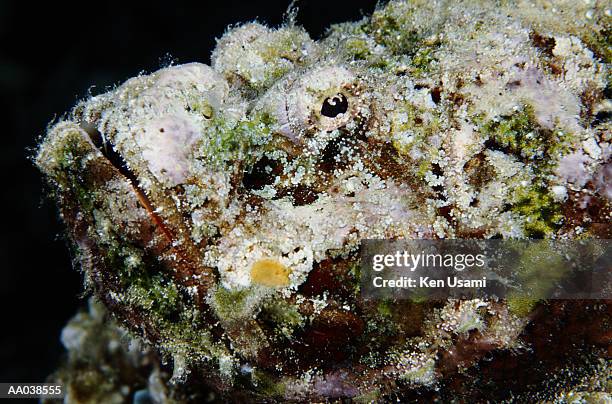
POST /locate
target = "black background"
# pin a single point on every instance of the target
(51, 55)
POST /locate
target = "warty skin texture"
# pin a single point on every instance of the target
(217, 211)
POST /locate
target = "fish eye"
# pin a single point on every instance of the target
(334, 106)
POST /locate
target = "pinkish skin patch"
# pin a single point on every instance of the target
(167, 144)
(572, 169)
(603, 180)
(335, 385)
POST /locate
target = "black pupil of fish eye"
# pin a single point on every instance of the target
(334, 106)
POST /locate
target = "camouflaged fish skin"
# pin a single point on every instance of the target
(217, 211)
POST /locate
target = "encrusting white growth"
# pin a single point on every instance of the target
(259, 55)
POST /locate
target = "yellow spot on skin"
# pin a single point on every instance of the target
(269, 272)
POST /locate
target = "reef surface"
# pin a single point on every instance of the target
(216, 212)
